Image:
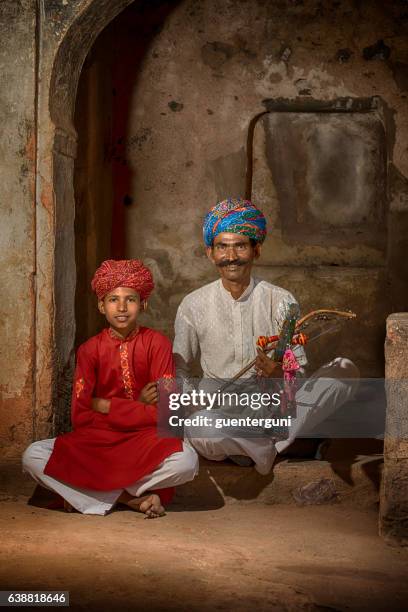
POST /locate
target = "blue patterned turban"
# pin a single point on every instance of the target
(236, 216)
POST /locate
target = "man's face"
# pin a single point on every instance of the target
(234, 255)
(121, 307)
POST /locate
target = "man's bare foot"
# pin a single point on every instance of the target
(150, 505)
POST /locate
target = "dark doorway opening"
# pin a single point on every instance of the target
(102, 175)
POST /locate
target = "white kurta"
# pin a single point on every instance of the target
(224, 331)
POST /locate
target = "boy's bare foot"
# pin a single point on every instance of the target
(150, 505)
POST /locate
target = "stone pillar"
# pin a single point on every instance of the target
(394, 491)
(18, 270)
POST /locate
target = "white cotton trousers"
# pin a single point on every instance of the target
(175, 470)
(323, 393)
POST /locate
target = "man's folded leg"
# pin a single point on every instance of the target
(323, 393)
(260, 450)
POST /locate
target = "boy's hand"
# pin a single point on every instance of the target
(101, 405)
(149, 394)
(267, 367)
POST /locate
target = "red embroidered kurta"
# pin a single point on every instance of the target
(111, 451)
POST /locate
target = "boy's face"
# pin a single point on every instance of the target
(121, 307)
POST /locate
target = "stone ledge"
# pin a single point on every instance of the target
(220, 483)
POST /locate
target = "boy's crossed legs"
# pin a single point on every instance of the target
(175, 470)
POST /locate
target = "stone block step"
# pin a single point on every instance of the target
(218, 483)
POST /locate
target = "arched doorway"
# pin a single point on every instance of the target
(84, 235)
(57, 148)
(104, 171)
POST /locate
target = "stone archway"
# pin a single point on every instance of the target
(62, 54)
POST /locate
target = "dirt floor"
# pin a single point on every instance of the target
(239, 557)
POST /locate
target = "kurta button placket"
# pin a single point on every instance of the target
(127, 377)
(236, 316)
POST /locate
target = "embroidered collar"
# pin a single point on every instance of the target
(115, 336)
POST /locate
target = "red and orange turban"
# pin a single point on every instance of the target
(130, 273)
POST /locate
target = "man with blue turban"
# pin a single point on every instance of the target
(222, 321)
(236, 216)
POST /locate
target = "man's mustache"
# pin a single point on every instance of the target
(233, 262)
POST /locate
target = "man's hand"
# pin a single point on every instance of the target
(149, 394)
(267, 367)
(101, 405)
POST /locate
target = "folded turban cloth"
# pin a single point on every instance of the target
(130, 273)
(236, 216)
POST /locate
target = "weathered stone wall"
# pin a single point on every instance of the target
(17, 226)
(394, 492)
(204, 77)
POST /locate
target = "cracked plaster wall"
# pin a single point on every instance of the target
(17, 229)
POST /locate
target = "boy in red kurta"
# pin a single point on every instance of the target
(113, 453)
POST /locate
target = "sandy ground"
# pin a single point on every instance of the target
(238, 557)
